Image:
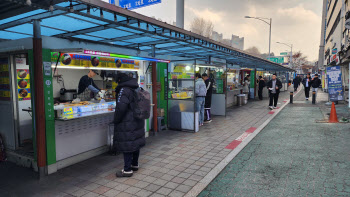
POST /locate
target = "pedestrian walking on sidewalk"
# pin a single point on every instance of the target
(207, 105)
(129, 132)
(315, 83)
(296, 82)
(307, 86)
(201, 92)
(262, 84)
(274, 86)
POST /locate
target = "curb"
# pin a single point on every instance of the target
(202, 184)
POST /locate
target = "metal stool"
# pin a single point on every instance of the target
(110, 134)
(160, 125)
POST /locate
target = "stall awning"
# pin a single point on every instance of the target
(99, 22)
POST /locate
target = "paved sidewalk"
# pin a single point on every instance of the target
(172, 163)
(292, 156)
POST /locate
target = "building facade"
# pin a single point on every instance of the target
(335, 39)
(235, 41)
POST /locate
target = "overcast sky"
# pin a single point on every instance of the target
(293, 21)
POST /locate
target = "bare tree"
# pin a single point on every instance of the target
(299, 59)
(202, 27)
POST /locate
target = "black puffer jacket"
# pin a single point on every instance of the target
(129, 132)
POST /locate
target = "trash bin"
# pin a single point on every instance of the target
(246, 94)
(240, 99)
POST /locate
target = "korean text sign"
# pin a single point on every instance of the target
(335, 87)
(133, 4)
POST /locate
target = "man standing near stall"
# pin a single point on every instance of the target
(209, 84)
(261, 87)
(274, 86)
(201, 92)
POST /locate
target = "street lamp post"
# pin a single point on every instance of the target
(291, 51)
(269, 22)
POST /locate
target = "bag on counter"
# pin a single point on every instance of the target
(2, 150)
(142, 104)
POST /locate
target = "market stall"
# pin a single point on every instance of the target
(234, 88)
(182, 113)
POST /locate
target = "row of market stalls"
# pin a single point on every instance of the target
(48, 47)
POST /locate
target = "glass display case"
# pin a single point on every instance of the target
(182, 113)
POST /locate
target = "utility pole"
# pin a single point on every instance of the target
(180, 13)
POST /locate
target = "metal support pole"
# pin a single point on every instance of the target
(180, 13)
(291, 97)
(116, 2)
(291, 56)
(349, 87)
(313, 97)
(39, 98)
(154, 91)
(270, 38)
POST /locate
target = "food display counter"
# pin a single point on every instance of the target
(83, 109)
(83, 118)
(233, 87)
(182, 113)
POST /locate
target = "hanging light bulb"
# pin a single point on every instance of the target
(88, 9)
(51, 6)
(101, 13)
(147, 27)
(197, 69)
(188, 68)
(28, 2)
(71, 9)
(115, 18)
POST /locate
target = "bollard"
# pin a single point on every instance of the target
(313, 97)
(291, 98)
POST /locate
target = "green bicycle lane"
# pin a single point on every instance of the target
(292, 156)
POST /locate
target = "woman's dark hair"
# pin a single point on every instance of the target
(198, 75)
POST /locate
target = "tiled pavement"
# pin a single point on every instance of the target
(292, 156)
(171, 163)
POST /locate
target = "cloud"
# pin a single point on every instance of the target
(213, 16)
(293, 21)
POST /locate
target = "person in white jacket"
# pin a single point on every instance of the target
(201, 92)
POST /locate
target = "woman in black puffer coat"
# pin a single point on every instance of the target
(129, 132)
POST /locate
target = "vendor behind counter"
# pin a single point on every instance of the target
(86, 82)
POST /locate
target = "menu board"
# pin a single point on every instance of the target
(5, 93)
(23, 84)
(91, 61)
(335, 87)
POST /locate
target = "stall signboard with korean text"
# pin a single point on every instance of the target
(23, 84)
(134, 4)
(93, 61)
(335, 87)
(5, 93)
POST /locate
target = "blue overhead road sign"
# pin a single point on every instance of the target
(133, 4)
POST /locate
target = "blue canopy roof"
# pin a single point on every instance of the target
(94, 20)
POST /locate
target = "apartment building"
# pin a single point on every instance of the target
(235, 41)
(335, 38)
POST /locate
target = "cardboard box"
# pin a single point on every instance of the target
(160, 112)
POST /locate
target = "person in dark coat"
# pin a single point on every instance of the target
(274, 86)
(262, 84)
(315, 83)
(129, 132)
(207, 105)
(307, 85)
(296, 82)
